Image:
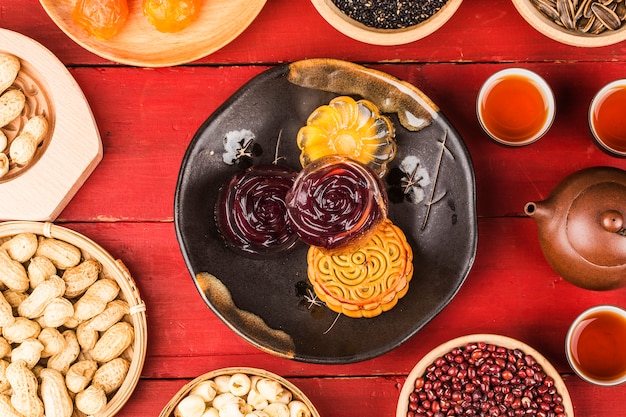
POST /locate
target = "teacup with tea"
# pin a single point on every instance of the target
(515, 106)
(606, 118)
(595, 345)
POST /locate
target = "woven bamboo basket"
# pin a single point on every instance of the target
(168, 411)
(111, 268)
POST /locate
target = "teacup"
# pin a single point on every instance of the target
(515, 106)
(595, 345)
(606, 118)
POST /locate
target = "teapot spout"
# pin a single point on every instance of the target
(538, 210)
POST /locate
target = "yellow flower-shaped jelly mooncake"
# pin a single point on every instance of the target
(366, 280)
(348, 128)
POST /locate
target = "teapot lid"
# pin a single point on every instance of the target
(596, 224)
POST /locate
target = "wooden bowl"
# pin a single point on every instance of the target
(420, 369)
(169, 409)
(41, 189)
(112, 269)
(356, 30)
(140, 44)
(557, 32)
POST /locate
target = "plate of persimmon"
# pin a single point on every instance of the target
(326, 211)
(152, 33)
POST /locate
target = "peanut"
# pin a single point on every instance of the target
(62, 254)
(6, 408)
(11, 105)
(28, 351)
(80, 375)
(40, 269)
(57, 313)
(12, 273)
(4, 382)
(6, 312)
(4, 161)
(80, 277)
(87, 336)
(9, 68)
(111, 375)
(23, 148)
(20, 330)
(35, 304)
(52, 340)
(21, 247)
(24, 385)
(56, 399)
(95, 299)
(114, 312)
(113, 342)
(14, 298)
(91, 400)
(62, 360)
(5, 348)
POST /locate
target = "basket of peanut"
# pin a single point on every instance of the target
(239, 391)
(74, 331)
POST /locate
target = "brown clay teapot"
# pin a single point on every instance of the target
(582, 228)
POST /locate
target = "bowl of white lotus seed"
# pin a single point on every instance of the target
(236, 392)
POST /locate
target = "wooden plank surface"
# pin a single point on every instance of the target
(147, 117)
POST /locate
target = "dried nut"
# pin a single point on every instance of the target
(52, 340)
(91, 400)
(95, 299)
(80, 277)
(56, 399)
(206, 390)
(6, 312)
(87, 337)
(4, 383)
(190, 406)
(5, 348)
(80, 375)
(15, 298)
(113, 312)
(277, 409)
(239, 384)
(12, 273)
(21, 247)
(11, 105)
(270, 389)
(28, 351)
(111, 375)
(62, 360)
(35, 304)
(23, 148)
(24, 385)
(40, 269)
(4, 162)
(57, 313)
(20, 330)
(4, 141)
(113, 342)
(9, 68)
(62, 254)
(6, 408)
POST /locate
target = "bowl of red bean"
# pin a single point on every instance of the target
(386, 22)
(484, 375)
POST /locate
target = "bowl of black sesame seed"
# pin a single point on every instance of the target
(386, 22)
(582, 23)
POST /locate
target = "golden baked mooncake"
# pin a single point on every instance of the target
(366, 280)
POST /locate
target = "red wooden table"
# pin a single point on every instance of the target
(147, 118)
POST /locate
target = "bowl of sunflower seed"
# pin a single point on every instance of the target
(582, 23)
(387, 22)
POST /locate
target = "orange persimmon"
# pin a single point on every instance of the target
(102, 19)
(171, 15)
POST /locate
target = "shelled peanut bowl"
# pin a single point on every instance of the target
(367, 34)
(111, 270)
(455, 357)
(577, 19)
(248, 388)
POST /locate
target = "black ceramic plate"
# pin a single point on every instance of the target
(269, 302)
